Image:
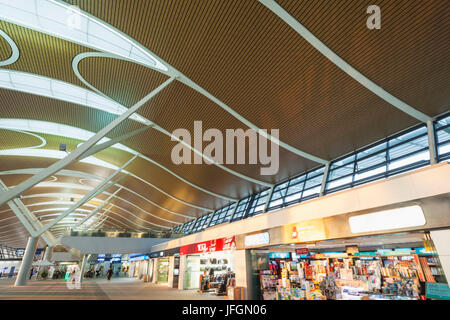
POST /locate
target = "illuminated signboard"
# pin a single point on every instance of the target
(310, 230)
(222, 244)
(279, 255)
(257, 239)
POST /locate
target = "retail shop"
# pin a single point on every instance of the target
(209, 266)
(341, 258)
(138, 265)
(166, 265)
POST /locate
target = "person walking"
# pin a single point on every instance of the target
(31, 273)
(109, 273)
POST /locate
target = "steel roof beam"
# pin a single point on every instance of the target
(94, 192)
(23, 214)
(81, 150)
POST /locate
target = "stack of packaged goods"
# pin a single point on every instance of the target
(268, 285)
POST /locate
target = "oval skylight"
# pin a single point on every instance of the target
(68, 22)
(56, 129)
(56, 89)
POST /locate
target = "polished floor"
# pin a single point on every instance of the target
(97, 289)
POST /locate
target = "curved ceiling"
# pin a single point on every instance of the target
(238, 65)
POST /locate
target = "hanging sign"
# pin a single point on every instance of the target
(221, 244)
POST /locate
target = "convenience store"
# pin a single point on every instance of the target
(208, 266)
(330, 259)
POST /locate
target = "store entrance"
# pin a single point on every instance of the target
(209, 272)
(385, 267)
(162, 269)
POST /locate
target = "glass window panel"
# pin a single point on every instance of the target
(414, 133)
(371, 162)
(344, 161)
(340, 182)
(336, 173)
(422, 156)
(311, 191)
(377, 148)
(281, 186)
(370, 173)
(408, 148)
(314, 182)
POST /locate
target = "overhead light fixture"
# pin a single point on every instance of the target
(388, 219)
(68, 22)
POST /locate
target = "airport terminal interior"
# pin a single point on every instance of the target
(224, 150)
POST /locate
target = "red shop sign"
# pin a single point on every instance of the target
(302, 251)
(221, 244)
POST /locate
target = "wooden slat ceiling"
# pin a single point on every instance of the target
(251, 60)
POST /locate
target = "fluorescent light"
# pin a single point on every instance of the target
(389, 219)
(68, 22)
(60, 90)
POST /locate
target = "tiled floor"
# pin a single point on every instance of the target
(101, 289)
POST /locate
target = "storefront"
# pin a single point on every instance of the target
(208, 266)
(323, 259)
(167, 264)
(162, 270)
(138, 265)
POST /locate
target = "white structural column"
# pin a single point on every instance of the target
(431, 142)
(47, 254)
(83, 265)
(27, 218)
(181, 273)
(242, 265)
(269, 196)
(324, 179)
(170, 275)
(27, 260)
(155, 270)
(441, 240)
(80, 151)
(273, 6)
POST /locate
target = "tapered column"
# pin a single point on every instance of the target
(83, 265)
(27, 260)
(47, 254)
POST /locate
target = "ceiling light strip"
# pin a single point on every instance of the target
(47, 153)
(79, 174)
(81, 134)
